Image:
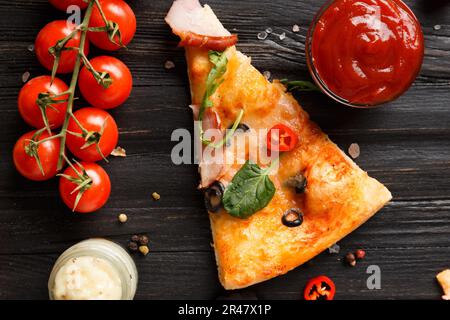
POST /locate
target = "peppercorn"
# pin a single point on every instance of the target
(350, 259)
(143, 240)
(132, 246)
(156, 196)
(144, 250)
(360, 254)
(122, 218)
(135, 238)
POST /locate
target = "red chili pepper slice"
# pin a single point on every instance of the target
(281, 138)
(320, 288)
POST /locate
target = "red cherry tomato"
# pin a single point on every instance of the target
(281, 138)
(320, 288)
(93, 195)
(113, 96)
(29, 109)
(63, 4)
(103, 130)
(47, 38)
(117, 11)
(48, 153)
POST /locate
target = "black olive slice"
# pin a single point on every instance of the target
(213, 196)
(298, 182)
(241, 126)
(292, 218)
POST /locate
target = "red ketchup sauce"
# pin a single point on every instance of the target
(366, 52)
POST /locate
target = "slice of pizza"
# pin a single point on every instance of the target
(264, 221)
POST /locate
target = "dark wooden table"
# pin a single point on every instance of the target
(405, 144)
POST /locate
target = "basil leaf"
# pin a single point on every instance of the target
(299, 86)
(250, 191)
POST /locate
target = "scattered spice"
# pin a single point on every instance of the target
(169, 64)
(122, 218)
(334, 249)
(25, 76)
(354, 151)
(119, 152)
(139, 243)
(360, 254)
(262, 35)
(156, 196)
(144, 250)
(295, 28)
(269, 30)
(283, 36)
(350, 259)
(133, 246)
(444, 280)
(437, 27)
(267, 75)
(143, 240)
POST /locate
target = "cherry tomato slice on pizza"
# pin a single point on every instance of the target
(281, 138)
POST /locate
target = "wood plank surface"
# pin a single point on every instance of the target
(405, 144)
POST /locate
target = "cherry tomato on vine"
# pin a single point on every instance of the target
(49, 36)
(95, 190)
(281, 138)
(48, 153)
(28, 102)
(118, 12)
(63, 4)
(101, 130)
(114, 95)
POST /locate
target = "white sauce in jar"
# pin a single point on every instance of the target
(87, 278)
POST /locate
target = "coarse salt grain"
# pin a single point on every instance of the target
(31, 47)
(119, 152)
(295, 28)
(269, 30)
(354, 150)
(267, 74)
(262, 35)
(25, 76)
(437, 27)
(283, 36)
(335, 248)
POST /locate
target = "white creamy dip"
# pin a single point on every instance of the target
(87, 278)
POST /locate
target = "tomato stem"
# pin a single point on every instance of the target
(73, 83)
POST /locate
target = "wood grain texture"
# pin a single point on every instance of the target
(405, 144)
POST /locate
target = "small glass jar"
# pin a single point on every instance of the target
(111, 253)
(329, 9)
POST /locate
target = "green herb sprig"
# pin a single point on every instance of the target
(213, 82)
(300, 85)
